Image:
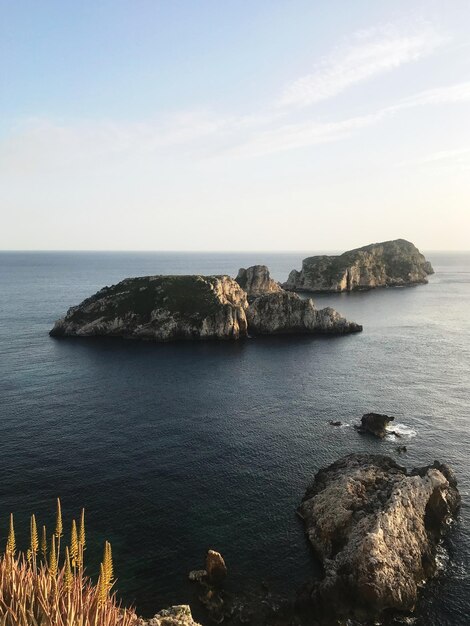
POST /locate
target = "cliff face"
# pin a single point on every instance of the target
(284, 312)
(164, 308)
(388, 264)
(256, 281)
(376, 528)
(161, 308)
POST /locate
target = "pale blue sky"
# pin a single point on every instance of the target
(236, 125)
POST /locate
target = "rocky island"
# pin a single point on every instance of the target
(395, 263)
(165, 308)
(375, 526)
(161, 308)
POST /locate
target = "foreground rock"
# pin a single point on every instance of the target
(284, 312)
(164, 308)
(376, 528)
(215, 568)
(161, 308)
(179, 615)
(375, 424)
(389, 264)
(256, 281)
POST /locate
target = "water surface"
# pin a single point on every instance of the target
(180, 447)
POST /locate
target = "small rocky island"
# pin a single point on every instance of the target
(395, 263)
(375, 526)
(165, 308)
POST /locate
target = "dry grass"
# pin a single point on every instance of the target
(51, 588)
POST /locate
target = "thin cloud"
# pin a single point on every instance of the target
(372, 53)
(460, 92)
(192, 135)
(458, 159)
(291, 136)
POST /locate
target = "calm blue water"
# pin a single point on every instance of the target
(176, 448)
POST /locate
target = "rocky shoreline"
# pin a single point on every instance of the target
(168, 308)
(375, 527)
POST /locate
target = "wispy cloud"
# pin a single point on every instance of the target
(290, 136)
(194, 134)
(371, 53)
(459, 92)
(456, 159)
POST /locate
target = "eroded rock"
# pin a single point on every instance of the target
(179, 615)
(215, 568)
(256, 281)
(375, 424)
(395, 263)
(285, 312)
(161, 308)
(376, 528)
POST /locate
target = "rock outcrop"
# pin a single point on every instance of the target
(179, 615)
(161, 308)
(284, 312)
(215, 568)
(375, 424)
(376, 527)
(164, 308)
(256, 281)
(395, 263)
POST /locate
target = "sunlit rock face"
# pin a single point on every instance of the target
(284, 313)
(161, 308)
(256, 281)
(376, 528)
(166, 308)
(179, 615)
(395, 263)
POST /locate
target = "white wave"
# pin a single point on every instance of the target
(402, 430)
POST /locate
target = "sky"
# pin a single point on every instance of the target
(234, 125)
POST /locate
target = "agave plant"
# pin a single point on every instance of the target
(55, 591)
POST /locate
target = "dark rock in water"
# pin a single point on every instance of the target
(215, 568)
(335, 423)
(256, 281)
(395, 263)
(401, 449)
(214, 604)
(375, 424)
(197, 575)
(376, 528)
(285, 313)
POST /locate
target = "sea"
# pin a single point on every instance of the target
(176, 448)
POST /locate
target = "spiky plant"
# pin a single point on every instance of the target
(74, 547)
(108, 565)
(11, 541)
(58, 525)
(44, 544)
(81, 540)
(68, 576)
(34, 540)
(52, 593)
(53, 563)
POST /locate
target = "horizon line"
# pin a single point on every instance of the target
(188, 251)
